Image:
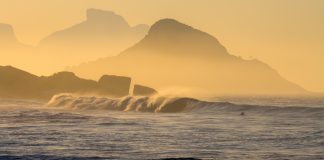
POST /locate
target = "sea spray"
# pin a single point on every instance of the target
(164, 104)
(212, 128)
(128, 103)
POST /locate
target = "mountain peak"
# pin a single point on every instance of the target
(103, 16)
(8, 68)
(173, 37)
(6, 27)
(93, 13)
(7, 33)
(170, 26)
(10, 71)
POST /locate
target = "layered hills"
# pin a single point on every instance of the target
(16, 83)
(168, 55)
(102, 33)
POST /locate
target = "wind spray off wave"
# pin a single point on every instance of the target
(157, 104)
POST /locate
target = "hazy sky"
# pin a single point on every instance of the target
(286, 34)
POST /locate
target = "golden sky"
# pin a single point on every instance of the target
(286, 34)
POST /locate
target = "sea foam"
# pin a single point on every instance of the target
(164, 104)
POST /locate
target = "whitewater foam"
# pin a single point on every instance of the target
(206, 130)
(129, 103)
(157, 104)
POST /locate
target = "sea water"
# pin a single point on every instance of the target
(71, 127)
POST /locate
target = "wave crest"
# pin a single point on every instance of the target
(129, 103)
(161, 104)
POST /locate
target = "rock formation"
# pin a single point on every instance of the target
(140, 90)
(117, 85)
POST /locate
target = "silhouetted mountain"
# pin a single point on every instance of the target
(12, 52)
(15, 83)
(175, 54)
(102, 33)
(168, 36)
(7, 34)
(8, 39)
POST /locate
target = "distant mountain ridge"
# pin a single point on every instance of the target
(102, 33)
(100, 24)
(175, 54)
(169, 54)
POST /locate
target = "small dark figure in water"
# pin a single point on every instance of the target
(242, 114)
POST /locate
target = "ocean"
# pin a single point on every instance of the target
(70, 127)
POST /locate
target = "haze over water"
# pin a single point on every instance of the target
(286, 34)
(163, 79)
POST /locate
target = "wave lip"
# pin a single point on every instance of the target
(160, 104)
(129, 103)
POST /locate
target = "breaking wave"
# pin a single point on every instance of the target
(129, 103)
(166, 105)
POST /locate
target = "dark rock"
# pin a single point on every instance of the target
(140, 90)
(116, 85)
